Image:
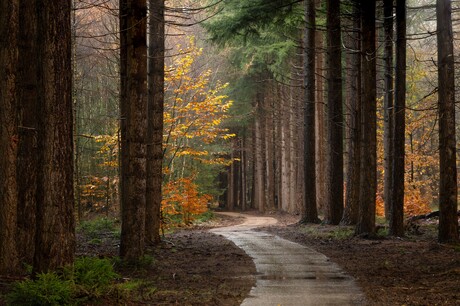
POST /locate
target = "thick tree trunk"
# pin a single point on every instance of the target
(368, 179)
(28, 130)
(448, 219)
(310, 212)
(350, 213)
(388, 110)
(135, 100)
(334, 209)
(399, 126)
(55, 236)
(156, 52)
(9, 25)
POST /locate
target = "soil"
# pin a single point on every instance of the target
(190, 267)
(195, 267)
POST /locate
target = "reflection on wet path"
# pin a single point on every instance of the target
(289, 273)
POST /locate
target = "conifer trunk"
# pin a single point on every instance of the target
(388, 109)
(334, 209)
(396, 212)
(28, 130)
(350, 214)
(448, 219)
(156, 53)
(310, 213)
(55, 237)
(368, 165)
(134, 159)
(9, 22)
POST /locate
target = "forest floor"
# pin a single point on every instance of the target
(195, 267)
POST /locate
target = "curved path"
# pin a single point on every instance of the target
(287, 272)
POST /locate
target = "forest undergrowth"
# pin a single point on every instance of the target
(194, 267)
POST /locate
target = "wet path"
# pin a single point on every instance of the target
(289, 273)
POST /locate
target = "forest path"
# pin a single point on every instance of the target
(289, 273)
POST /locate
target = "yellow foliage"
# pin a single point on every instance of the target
(194, 108)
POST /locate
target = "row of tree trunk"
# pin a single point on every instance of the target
(268, 172)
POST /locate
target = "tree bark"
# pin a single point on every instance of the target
(399, 126)
(334, 209)
(350, 213)
(368, 179)
(310, 212)
(259, 196)
(156, 54)
(9, 25)
(388, 105)
(28, 130)
(448, 220)
(55, 230)
(134, 161)
(321, 128)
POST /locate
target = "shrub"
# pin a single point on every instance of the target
(93, 275)
(47, 289)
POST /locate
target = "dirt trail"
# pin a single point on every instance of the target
(289, 273)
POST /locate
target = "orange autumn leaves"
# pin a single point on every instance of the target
(181, 198)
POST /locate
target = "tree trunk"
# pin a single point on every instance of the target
(321, 129)
(243, 174)
(156, 52)
(334, 209)
(350, 214)
(28, 130)
(368, 179)
(231, 182)
(134, 161)
(293, 204)
(448, 219)
(259, 196)
(310, 212)
(9, 25)
(388, 105)
(269, 152)
(55, 231)
(397, 189)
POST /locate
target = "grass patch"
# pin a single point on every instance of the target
(329, 232)
(204, 217)
(94, 228)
